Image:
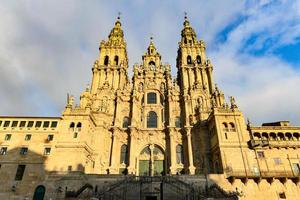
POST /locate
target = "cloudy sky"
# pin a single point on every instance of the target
(47, 49)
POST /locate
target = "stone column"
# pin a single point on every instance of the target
(190, 151)
(113, 168)
(132, 150)
(172, 144)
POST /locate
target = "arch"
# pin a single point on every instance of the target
(280, 136)
(116, 60)
(78, 126)
(179, 154)
(225, 125)
(273, 136)
(296, 136)
(39, 192)
(124, 154)
(289, 136)
(152, 161)
(106, 60)
(125, 122)
(265, 136)
(189, 59)
(257, 136)
(198, 58)
(72, 126)
(151, 63)
(152, 120)
(151, 98)
(232, 126)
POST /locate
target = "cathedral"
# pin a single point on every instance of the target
(149, 136)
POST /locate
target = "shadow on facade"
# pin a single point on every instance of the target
(24, 175)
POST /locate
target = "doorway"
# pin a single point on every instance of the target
(152, 161)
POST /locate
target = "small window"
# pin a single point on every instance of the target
(106, 60)
(7, 137)
(282, 195)
(28, 137)
(14, 124)
(75, 135)
(198, 59)
(38, 124)
(23, 150)
(72, 125)
(177, 122)
(47, 151)
(50, 137)
(124, 154)
(78, 126)
(277, 161)
(189, 60)
(46, 124)
(20, 172)
(3, 150)
(70, 168)
(125, 122)
(6, 123)
(22, 123)
(30, 124)
(151, 98)
(116, 60)
(152, 120)
(260, 154)
(0, 123)
(54, 124)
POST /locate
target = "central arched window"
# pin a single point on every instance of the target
(124, 154)
(179, 154)
(152, 120)
(151, 98)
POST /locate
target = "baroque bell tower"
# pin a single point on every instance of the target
(110, 69)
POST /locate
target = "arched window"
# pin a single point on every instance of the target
(151, 98)
(189, 60)
(116, 60)
(75, 135)
(125, 122)
(179, 154)
(151, 63)
(152, 120)
(106, 60)
(72, 126)
(232, 126)
(198, 59)
(78, 126)
(124, 154)
(177, 122)
(39, 192)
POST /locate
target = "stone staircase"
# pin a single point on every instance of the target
(159, 188)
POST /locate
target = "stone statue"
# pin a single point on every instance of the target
(232, 102)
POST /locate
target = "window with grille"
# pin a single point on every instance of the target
(20, 172)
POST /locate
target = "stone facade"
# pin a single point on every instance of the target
(152, 125)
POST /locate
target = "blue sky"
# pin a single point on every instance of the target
(47, 49)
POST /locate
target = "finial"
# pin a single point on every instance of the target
(119, 15)
(185, 15)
